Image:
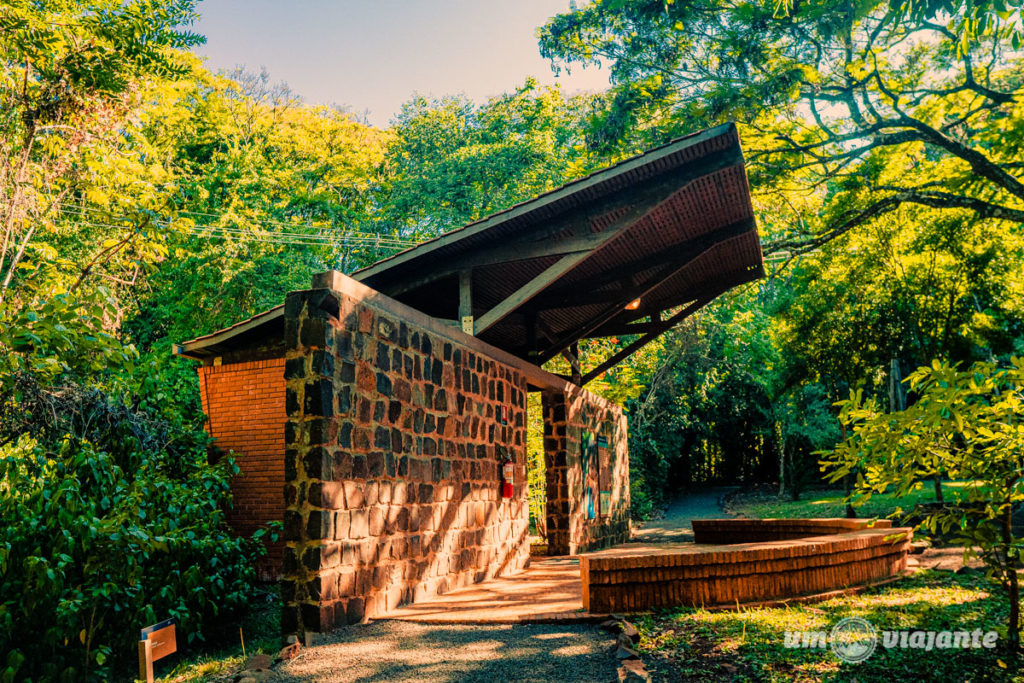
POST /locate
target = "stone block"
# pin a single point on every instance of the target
(359, 524)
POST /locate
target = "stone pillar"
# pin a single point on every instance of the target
(396, 433)
(556, 463)
(318, 377)
(568, 416)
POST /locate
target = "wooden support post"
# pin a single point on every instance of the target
(572, 354)
(531, 331)
(146, 660)
(466, 300)
(157, 642)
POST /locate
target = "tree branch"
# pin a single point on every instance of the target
(935, 200)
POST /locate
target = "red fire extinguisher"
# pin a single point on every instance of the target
(507, 477)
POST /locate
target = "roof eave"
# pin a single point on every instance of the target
(210, 345)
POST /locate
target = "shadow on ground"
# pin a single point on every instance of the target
(402, 651)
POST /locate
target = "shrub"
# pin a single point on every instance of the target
(111, 518)
(965, 424)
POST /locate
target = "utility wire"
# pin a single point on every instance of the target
(342, 238)
(243, 220)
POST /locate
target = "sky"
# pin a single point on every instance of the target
(373, 55)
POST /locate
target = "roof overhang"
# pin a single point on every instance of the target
(251, 332)
(631, 249)
(671, 228)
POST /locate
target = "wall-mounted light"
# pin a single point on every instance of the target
(633, 305)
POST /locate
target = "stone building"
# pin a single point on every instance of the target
(380, 415)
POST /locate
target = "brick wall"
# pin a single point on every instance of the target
(395, 440)
(580, 470)
(245, 405)
(624, 580)
(726, 531)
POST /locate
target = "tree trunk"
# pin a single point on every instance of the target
(782, 462)
(848, 487)
(938, 489)
(1012, 581)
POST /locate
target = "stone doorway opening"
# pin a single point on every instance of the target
(536, 475)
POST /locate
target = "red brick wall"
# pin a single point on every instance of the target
(627, 579)
(245, 406)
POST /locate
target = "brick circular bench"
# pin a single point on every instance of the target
(745, 561)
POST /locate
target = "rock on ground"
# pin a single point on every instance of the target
(403, 651)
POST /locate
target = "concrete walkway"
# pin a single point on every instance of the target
(526, 627)
(675, 526)
(549, 590)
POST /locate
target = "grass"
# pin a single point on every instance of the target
(221, 656)
(747, 645)
(831, 503)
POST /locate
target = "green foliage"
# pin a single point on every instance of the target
(536, 466)
(267, 190)
(848, 111)
(113, 519)
(966, 424)
(71, 72)
(748, 643)
(451, 162)
(817, 503)
(112, 516)
(60, 337)
(706, 415)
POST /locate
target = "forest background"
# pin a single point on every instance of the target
(145, 200)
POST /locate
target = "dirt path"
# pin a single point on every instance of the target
(675, 527)
(402, 651)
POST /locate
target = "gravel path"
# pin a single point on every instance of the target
(675, 527)
(402, 651)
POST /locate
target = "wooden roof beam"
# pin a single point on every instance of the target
(658, 330)
(554, 272)
(618, 307)
(569, 295)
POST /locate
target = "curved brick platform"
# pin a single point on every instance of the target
(744, 561)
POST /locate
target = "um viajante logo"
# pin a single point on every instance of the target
(854, 639)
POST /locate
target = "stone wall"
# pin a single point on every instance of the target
(587, 459)
(244, 402)
(395, 438)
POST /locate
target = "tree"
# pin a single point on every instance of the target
(913, 286)
(268, 190)
(868, 106)
(70, 70)
(451, 162)
(968, 424)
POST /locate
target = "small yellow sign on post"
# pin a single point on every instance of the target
(155, 642)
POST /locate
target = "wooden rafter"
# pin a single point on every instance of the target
(571, 296)
(555, 271)
(529, 290)
(656, 331)
(613, 311)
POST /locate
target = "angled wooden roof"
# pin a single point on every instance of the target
(672, 228)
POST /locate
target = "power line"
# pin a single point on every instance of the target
(341, 238)
(253, 221)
